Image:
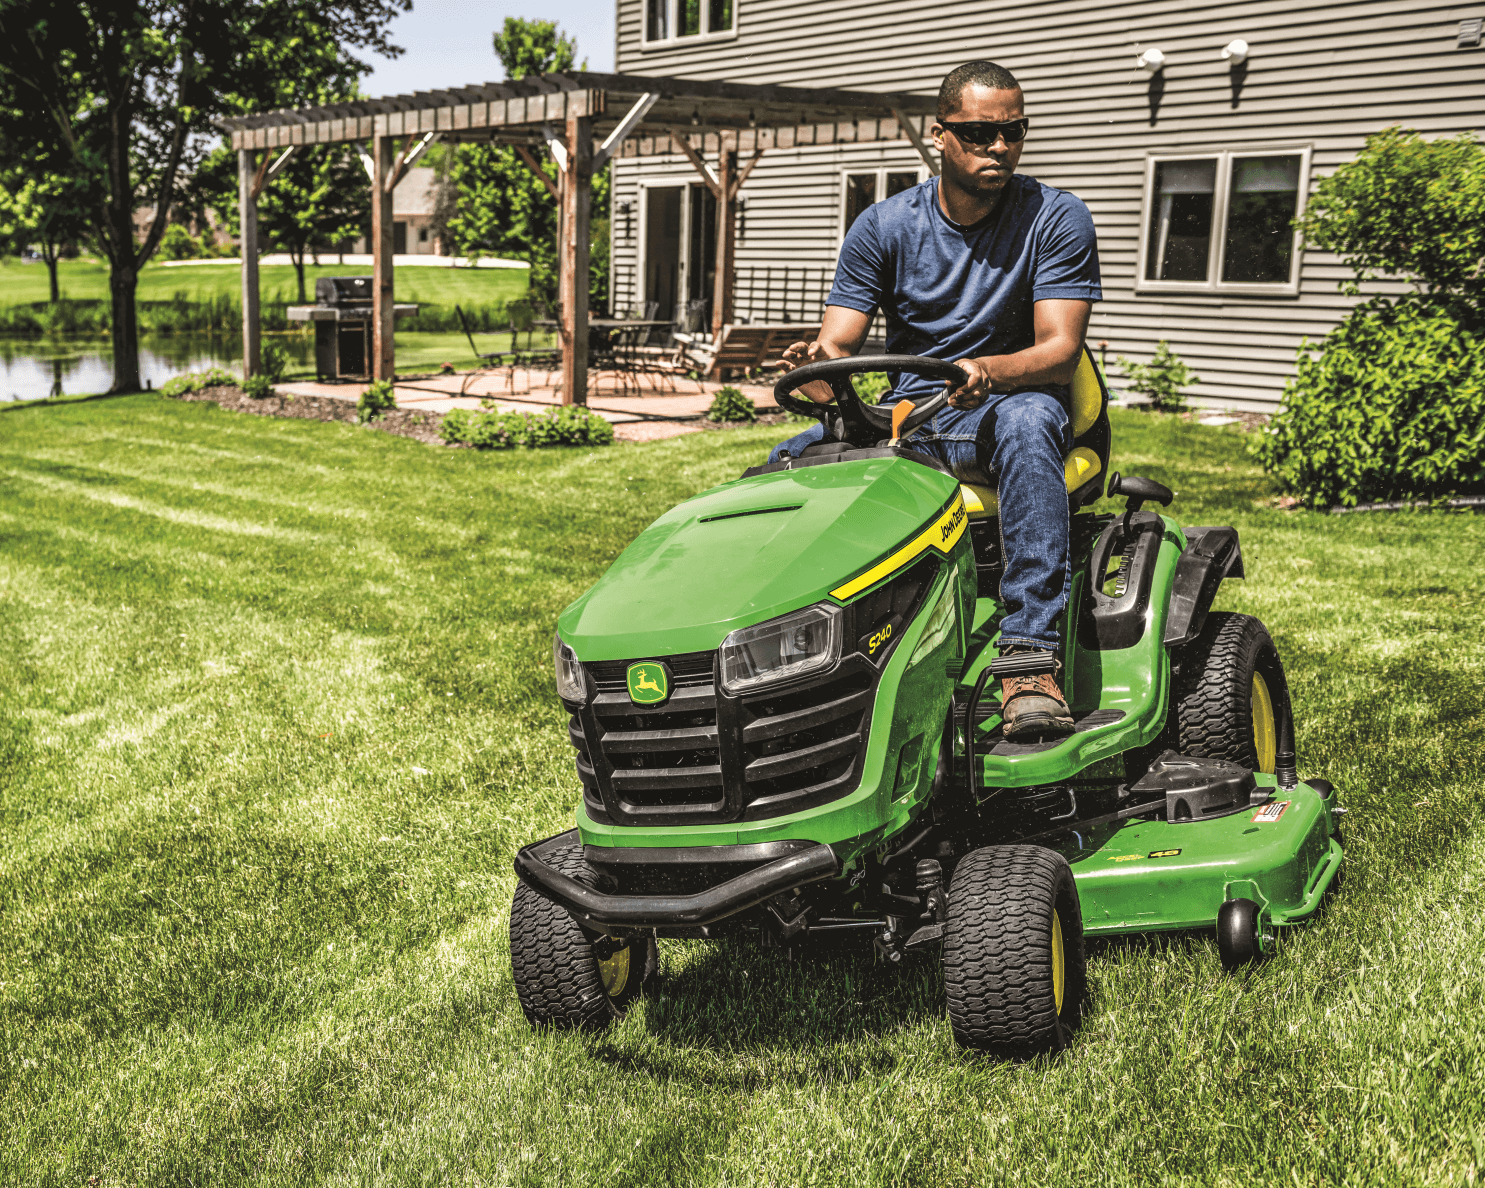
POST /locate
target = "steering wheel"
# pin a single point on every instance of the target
(856, 423)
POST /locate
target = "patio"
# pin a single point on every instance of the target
(650, 415)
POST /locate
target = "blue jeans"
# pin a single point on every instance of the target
(1019, 442)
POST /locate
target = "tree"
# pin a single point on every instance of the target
(47, 209)
(320, 197)
(123, 94)
(502, 208)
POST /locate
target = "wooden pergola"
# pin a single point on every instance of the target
(583, 120)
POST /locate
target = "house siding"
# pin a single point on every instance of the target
(1325, 75)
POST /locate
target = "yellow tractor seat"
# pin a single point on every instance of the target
(1084, 467)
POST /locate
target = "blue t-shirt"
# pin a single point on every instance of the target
(950, 291)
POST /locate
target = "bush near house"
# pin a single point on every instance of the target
(731, 405)
(1162, 381)
(1391, 405)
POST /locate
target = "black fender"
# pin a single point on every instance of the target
(1211, 554)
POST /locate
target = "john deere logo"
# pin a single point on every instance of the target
(649, 683)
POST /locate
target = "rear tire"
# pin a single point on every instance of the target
(559, 977)
(1014, 967)
(1238, 925)
(1228, 695)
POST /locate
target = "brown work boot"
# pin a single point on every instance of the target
(1033, 706)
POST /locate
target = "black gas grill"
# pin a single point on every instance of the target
(705, 757)
(342, 318)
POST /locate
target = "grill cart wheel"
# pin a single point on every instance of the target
(1238, 933)
(1014, 968)
(1229, 693)
(565, 975)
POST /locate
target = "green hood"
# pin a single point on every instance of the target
(707, 566)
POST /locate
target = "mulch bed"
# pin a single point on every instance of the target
(420, 426)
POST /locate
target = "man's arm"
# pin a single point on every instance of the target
(1059, 325)
(841, 334)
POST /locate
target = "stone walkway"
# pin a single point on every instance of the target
(649, 415)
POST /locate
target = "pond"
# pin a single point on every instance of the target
(33, 368)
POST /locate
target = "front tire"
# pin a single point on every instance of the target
(565, 975)
(1014, 967)
(1238, 927)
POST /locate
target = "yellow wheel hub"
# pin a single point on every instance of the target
(1059, 963)
(614, 972)
(1265, 734)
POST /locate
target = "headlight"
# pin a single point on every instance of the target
(781, 649)
(941, 622)
(570, 683)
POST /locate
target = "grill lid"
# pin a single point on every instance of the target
(343, 290)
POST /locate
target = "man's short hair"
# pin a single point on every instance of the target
(972, 74)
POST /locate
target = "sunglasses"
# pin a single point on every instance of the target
(987, 131)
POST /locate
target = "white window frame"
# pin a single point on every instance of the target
(1224, 156)
(881, 190)
(672, 8)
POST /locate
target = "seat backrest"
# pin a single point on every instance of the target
(1090, 426)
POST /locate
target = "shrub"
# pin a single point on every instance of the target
(257, 386)
(871, 386)
(375, 401)
(274, 361)
(178, 244)
(1392, 406)
(493, 430)
(1408, 207)
(731, 405)
(1161, 380)
(194, 382)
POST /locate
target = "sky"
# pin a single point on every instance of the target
(448, 42)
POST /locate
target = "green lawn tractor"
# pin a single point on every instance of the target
(784, 709)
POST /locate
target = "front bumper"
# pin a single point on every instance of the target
(601, 911)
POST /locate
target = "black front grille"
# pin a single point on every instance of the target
(704, 757)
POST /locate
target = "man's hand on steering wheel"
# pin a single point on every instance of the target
(800, 354)
(979, 385)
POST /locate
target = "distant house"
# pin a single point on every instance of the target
(1192, 172)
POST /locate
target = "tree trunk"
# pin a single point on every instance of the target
(124, 321)
(51, 267)
(298, 259)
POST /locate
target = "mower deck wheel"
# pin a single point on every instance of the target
(1239, 933)
(565, 975)
(1014, 971)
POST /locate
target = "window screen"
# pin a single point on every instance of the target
(1264, 197)
(657, 20)
(719, 16)
(688, 18)
(1181, 220)
(861, 192)
(898, 182)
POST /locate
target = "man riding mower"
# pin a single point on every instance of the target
(782, 693)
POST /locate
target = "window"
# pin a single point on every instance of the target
(674, 20)
(861, 189)
(1222, 221)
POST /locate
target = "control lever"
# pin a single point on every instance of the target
(1139, 490)
(901, 411)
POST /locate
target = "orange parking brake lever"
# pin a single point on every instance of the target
(901, 411)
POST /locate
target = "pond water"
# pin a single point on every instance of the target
(32, 368)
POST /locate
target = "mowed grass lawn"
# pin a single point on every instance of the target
(87, 279)
(276, 711)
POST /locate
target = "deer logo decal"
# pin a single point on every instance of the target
(649, 683)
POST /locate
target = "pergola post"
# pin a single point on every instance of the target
(383, 346)
(726, 235)
(577, 198)
(247, 205)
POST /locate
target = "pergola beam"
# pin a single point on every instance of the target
(729, 119)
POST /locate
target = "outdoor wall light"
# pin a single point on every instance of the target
(1235, 51)
(1152, 60)
(695, 116)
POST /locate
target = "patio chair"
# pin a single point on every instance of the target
(489, 361)
(746, 348)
